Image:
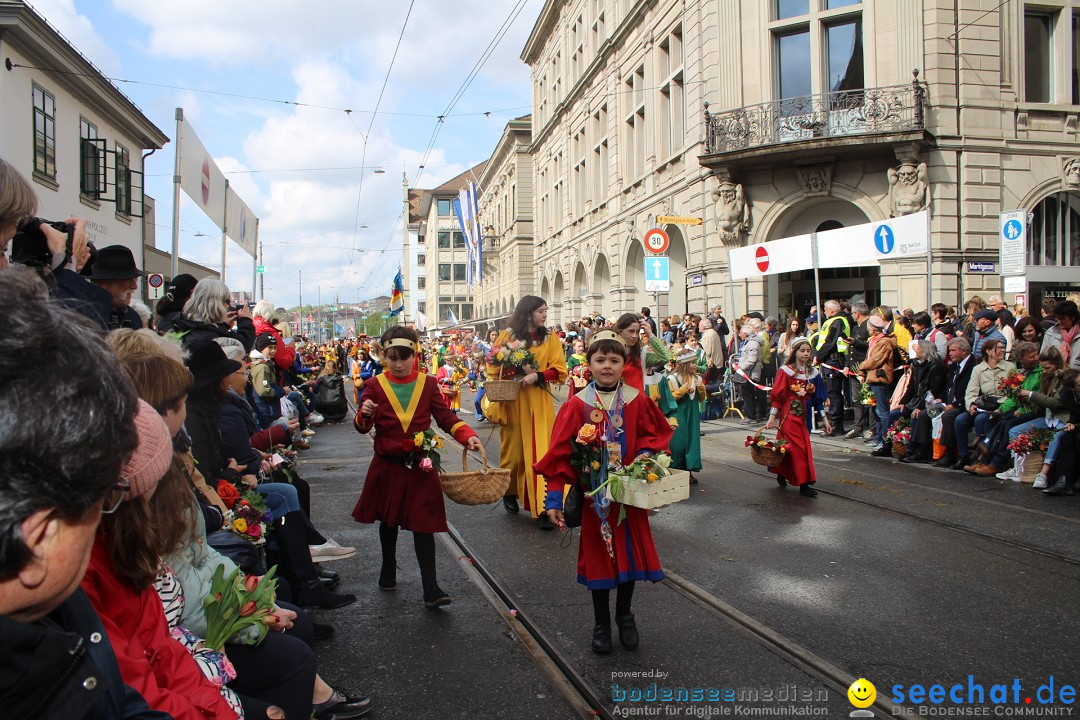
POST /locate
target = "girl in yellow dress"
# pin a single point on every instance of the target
(528, 421)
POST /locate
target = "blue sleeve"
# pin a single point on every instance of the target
(553, 500)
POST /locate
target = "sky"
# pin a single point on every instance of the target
(266, 85)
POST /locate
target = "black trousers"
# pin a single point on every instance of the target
(751, 403)
(834, 384)
(948, 431)
(279, 671)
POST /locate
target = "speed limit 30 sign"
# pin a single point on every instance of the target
(656, 241)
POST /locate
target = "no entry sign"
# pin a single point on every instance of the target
(761, 257)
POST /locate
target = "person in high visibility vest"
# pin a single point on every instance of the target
(830, 350)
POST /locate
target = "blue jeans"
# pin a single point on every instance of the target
(881, 397)
(281, 498)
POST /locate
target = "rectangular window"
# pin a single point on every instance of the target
(845, 53)
(459, 240)
(634, 157)
(445, 310)
(421, 283)
(1038, 29)
(1075, 64)
(833, 4)
(459, 272)
(421, 307)
(419, 239)
(44, 133)
(444, 239)
(444, 207)
(421, 259)
(466, 311)
(91, 160)
(444, 272)
(793, 64)
(791, 8)
(123, 180)
(672, 102)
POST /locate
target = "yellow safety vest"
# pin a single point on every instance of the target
(841, 342)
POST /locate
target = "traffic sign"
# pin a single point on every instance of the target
(656, 241)
(657, 277)
(155, 282)
(1013, 242)
(678, 220)
(761, 258)
(260, 269)
(884, 239)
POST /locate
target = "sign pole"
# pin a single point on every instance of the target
(817, 284)
(224, 230)
(174, 261)
(929, 264)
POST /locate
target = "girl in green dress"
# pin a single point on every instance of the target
(687, 390)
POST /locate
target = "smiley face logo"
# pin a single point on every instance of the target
(862, 693)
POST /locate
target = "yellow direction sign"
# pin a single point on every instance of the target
(677, 220)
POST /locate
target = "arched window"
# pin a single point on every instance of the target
(1054, 235)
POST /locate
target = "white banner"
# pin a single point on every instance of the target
(770, 258)
(240, 223)
(199, 175)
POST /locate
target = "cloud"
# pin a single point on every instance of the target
(80, 32)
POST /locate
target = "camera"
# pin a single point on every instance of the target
(30, 247)
(236, 308)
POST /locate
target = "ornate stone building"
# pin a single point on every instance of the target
(506, 217)
(816, 119)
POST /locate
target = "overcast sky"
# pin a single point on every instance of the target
(284, 160)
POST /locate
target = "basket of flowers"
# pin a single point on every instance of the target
(766, 452)
(1030, 449)
(900, 436)
(647, 483)
(581, 376)
(866, 396)
(511, 358)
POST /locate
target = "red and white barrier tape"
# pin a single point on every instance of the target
(740, 371)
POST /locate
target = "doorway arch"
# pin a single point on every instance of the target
(602, 286)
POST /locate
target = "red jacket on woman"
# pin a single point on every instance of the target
(285, 353)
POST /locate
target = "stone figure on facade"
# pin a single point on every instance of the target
(1070, 171)
(732, 212)
(816, 179)
(909, 189)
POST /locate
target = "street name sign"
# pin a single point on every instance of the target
(678, 220)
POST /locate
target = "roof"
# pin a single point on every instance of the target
(454, 184)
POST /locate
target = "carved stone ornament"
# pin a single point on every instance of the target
(732, 213)
(816, 179)
(909, 189)
(1070, 172)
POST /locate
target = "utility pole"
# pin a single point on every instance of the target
(262, 275)
(303, 319)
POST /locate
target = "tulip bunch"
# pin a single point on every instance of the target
(240, 607)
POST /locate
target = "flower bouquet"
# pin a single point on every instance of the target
(764, 451)
(648, 482)
(1030, 450)
(580, 375)
(511, 357)
(1010, 385)
(248, 517)
(899, 435)
(240, 607)
(423, 449)
(866, 396)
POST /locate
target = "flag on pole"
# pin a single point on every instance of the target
(461, 209)
(468, 216)
(477, 237)
(397, 295)
(421, 322)
(453, 318)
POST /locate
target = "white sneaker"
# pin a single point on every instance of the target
(1040, 482)
(316, 419)
(1009, 474)
(330, 550)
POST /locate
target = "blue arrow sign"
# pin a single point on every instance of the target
(1012, 230)
(658, 268)
(884, 239)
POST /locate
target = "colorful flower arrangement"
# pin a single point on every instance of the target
(866, 396)
(1011, 384)
(248, 517)
(239, 606)
(759, 440)
(900, 432)
(1034, 440)
(512, 356)
(581, 375)
(423, 449)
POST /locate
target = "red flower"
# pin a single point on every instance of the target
(255, 530)
(250, 583)
(228, 493)
(408, 445)
(248, 609)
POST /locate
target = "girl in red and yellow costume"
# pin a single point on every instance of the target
(793, 385)
(527, 422)
(611, 554)
(398, 404)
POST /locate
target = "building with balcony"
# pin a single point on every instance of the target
(506, 219)
(820, 114)
(71, 132)
(442, 295)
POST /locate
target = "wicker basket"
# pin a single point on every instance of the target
(1033, 463)
(502, 390)
(579, 382)
(475, 487)
(766, 456)
(899, 449)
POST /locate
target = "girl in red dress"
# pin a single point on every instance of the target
(644, 359)
(611, 554)
(398, 404)
(793, 385)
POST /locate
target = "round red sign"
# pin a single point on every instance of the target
(656, 241)
(761, 257)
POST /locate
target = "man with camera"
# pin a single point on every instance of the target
(115, 273)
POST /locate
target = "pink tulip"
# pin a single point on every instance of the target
(425, 464)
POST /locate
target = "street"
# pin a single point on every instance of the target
(902, 574)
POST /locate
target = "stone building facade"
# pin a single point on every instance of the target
(506, 214)
(816, 119)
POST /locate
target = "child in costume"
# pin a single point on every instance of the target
(580, 378)
(402, 490)
(794, 383)
(687, 390)
(611, 554)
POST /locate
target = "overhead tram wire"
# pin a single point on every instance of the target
(363, 155)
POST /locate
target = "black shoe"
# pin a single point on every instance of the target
(628, 634)
(916, 459)
(511, 504)
(693, 480)
(341, 707)
(944, 462)
(544, 523)
(781, 481)
(883, 451)
(436, 598)
(601, 638)
(314, 596)
(329, 580)
(388, 580)
(958, 465)
(319, 631)
(807, 490)
(1061, 487)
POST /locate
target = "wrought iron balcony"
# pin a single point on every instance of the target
(884, 110)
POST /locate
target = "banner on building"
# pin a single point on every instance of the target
(240, 223)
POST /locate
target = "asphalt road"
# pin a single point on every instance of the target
(900, 574)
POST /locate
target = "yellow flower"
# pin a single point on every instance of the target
(438, 442)
(652, 477)
(418, 438)
(586, 434)
(595, 464)
(239, 525)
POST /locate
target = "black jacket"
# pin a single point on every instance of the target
(82, 296)
(957, 382)
(829, 353)
(237, 424)
(859, 347)
(62, 667)
(926, 378)
(195, 331)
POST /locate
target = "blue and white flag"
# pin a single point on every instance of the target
(460, 205)
(467, 208)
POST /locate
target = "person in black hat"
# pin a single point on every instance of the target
(171, 306)
(115, 273)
